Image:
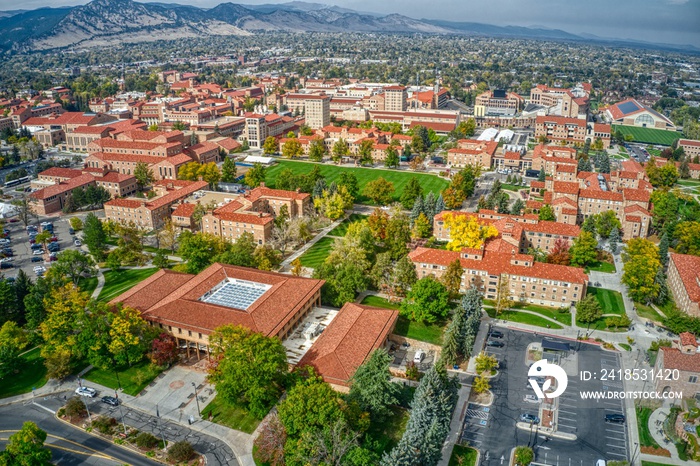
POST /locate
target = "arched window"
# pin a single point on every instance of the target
(644, 120)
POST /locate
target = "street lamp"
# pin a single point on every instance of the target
(199, 413)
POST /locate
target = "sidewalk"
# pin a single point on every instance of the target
(298, 253)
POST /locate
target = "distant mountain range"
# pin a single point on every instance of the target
(109, 22)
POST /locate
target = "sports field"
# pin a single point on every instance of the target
(364, 175)
(649, 135)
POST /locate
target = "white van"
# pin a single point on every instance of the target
(418, 358)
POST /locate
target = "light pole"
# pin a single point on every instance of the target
(199, 413)
(634, 454)
(121, 413)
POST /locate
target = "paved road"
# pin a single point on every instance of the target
(70, 446)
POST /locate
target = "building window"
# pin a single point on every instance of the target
(693, 379)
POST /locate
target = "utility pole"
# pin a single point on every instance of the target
(196, 399)
(160, 427)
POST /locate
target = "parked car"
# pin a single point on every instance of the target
(496, 344)
(37, 259)
(71, 230)
(54, 247)
(110, 400)
(36, 246)
(32, 241)
(77, 243)
(420, 355)
(38, 252)
(532, 399)
(53, 239)
(615, 418)
(86, 391)
(496, 334)
(4, 241)
(6, 265)
(39, 269)
(529, 418)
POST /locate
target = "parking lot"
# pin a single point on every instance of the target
(21, 248)
(493, 429)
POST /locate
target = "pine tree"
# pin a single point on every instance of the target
(23, 286)
(319, 187)
(663, 249)
(429, 206)
(417, 208)
(614, 240)
(660, 279)
(584, 165)
(450, 344)
(541, 175)
(439, 204)
(604, 162)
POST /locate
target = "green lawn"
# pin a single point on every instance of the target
(88, 284)
(610, 301)
(341, 229)
(691, 183)
(551, 312)
(32, 375)
(230, 416)
(386, 434)
(649, 135)
(625, 346)
(132, 379)
(654, 152)
(463, 456)
(605, 267)
(512, 187)
(648, 312)
(317, 253)
(431, 333)
(364, 175)
(522, 318)
(120, 281)
(645, 438)
(653, 463)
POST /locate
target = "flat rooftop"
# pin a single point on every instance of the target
(307, 332)
(218, 198)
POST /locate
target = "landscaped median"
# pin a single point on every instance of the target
(75, 414)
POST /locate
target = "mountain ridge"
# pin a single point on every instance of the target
(109, 22)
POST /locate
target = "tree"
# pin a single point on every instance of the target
(560, 253)
(412, 191)
(210, 173)
(481, 385)
(349, 180)
(199, 250)
(343, 282)
(365, 151)
(684, 169)
(614, 240)
(189, 171)
(603, 162)
(378, 221)
(228, 170)
(547, 213)
(590, 224)
(584, 165)
(292, 148)
(76, 223)
(143, 174)
(94, 236)
(266, 258)
(130, 336)
(380, 191)
(164, 350)
(75, 264)
(317, 149)
(583, 251)
(485, 363)
(180, 452)
(606, 222)
(340, 149)
(255, 175)
(269, 444)
(687, 236)
(391, 159)
(421, 227)
(371, 386)
(24, 209)
(450, 344)
(524, 456)
(26, 448)
(467, 128)
(641, 258)
(518, 207)
(466, 231)
(250, 368)
(453, 198)
(541, 176)
(22, 287)
(452, 278)
(503, 298)
(404, 276)
(310, 405)
(663, 249)
(270, 145)
(588, 309)
(398, 233)
(13, 340)
(427, 301)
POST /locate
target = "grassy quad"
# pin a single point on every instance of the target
(522, 318)
(610, 301)
(32, 375)
(132, 379)
(598, 266)
(120, 281)
(645, 438)
(317, 253)
(364, 175)
(341, 229)
(230, 416)
(649, 135)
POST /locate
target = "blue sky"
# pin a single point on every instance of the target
(660, 21)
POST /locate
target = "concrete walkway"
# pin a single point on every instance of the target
(659, 416)
(100, 284)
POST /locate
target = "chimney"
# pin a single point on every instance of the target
(298, 190)
(262, 184)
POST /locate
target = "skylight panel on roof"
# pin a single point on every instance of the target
(236, 294)
(628, 107)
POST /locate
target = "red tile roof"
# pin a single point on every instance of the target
(565, 187)
(566, 168)
(245, 217)
(688, 142)
(349, 341)
(262, 191)
(93, 129)
(61, 172)
(174, 299)
(688, 339)
(184, 209)
(674, 359)
(640, 195)
(560, 120)
(689, 270)
(600, 194)
(63, 187)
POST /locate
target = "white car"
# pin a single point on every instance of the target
(39, 269)
(86, 391)
(4, 241)
(38, 252)
(418, 358)
(78, 243)
(532, 398)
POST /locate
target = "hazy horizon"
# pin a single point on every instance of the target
(655, 21)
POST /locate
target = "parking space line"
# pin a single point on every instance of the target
(616, 454)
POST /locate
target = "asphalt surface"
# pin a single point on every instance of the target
(493, 430)
(96, 450)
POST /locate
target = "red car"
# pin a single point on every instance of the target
(32, 241)
(53, 239)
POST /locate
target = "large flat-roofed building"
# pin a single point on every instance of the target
(497, 102)
(191, 307)
(395, 98)
(690, 147)
(684, 282)
(571, 130)
(472, 152)
(564, 102)
(317, 111)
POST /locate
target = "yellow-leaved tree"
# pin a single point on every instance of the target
(467, 232)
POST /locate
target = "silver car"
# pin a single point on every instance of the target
(86, 391)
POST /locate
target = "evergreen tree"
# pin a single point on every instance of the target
(584, 165)
(684, 169)
(439, 204)
(604, 162)
(228, 170)
(429, 206)
(660, 279)
(541, 175)
(614, 240)
(23, 286)
(517, 207)
(372, 387)
(319, 187)
(663, 249)
(450, 344)
(418, 208)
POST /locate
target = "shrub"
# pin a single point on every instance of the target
(104, 424)
(180, 452)
(75, 408)
(146, 440)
